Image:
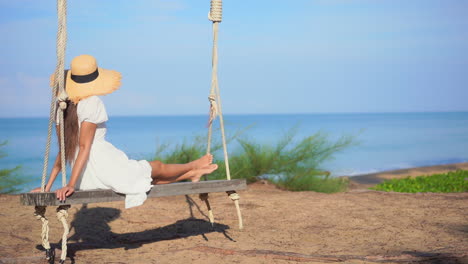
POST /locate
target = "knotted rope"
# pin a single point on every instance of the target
(216, 11)
(62, 215)
(204, 197)
(40, 215)
(235, 198)
(60, 78)
(58, 93)
(216, 15)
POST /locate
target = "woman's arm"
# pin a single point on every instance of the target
(86, 138)
(55, 171)
(53, 174)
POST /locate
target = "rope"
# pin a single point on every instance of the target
(62, 212)
(59, 76)
(58, 88)
(62, 215)
(204, 197)
(235, 197)
(40, 215)
(215, 15)
(58, 85)
(216, 11)
(49, 136)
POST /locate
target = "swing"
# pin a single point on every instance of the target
(43, 199)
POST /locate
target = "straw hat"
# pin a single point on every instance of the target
(85, 79)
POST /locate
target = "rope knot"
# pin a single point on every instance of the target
(216, 11)
(203, 196)
(213, 109)
(39, 212)
(62, 98)
(62, 211)
(234, 196)
(63, 105)
(212, 98)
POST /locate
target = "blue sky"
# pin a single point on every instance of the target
(300, 56)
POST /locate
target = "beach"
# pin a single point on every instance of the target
(321, 102)
(357, 226)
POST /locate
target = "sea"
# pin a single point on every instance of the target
(382, 141)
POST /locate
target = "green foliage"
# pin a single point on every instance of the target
(188, 151)
(9, 178)
(290, 164)
(440, 183)
(181, 153)
(321, 182)
(298, 163)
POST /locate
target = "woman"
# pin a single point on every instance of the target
(97, 164)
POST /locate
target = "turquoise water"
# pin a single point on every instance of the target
(386, 140)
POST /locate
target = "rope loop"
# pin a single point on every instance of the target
(216, 11)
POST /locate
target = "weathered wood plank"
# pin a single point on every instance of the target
(100, 196)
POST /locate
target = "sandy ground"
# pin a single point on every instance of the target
(358, 226)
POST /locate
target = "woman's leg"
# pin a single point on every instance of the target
(193, 175)
(171, 172)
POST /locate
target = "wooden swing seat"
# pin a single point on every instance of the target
(101, 196)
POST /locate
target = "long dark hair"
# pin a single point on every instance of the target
(72, 130)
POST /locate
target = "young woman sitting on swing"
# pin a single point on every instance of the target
(96, 163)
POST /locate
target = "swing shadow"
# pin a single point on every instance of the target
(92, 231)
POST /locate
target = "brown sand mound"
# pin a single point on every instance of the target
(280, 227)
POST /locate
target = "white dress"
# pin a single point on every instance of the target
(107, 166)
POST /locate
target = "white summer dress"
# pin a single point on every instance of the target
(107, 166)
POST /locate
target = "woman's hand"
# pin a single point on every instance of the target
(64, 192)
(38, 189)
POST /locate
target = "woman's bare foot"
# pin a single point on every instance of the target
(202, 162)
(202, 171)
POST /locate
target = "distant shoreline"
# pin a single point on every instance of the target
(371, 179)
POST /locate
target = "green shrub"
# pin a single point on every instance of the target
(292, 165)
(10, 181)
(441, 183)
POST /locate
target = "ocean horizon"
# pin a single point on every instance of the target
(384, 141)
(257, 114)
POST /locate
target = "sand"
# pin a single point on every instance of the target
(358, 226)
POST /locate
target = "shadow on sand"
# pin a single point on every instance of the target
(92, 231)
